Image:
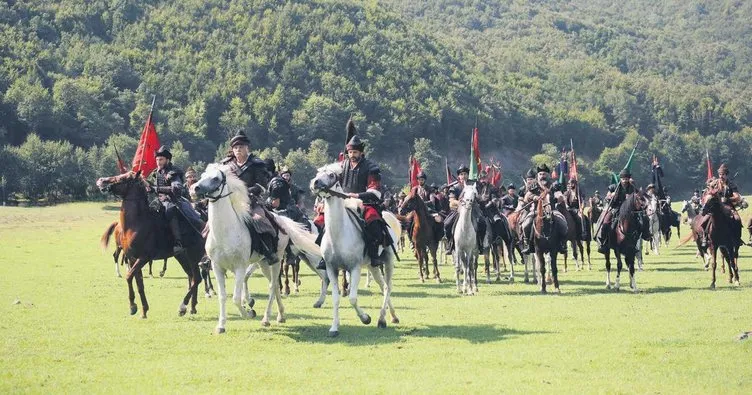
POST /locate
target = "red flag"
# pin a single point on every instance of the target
(120, 164)
(148, 145)
(414, 171)
(496, 179)
(573, 168)
(710, 166)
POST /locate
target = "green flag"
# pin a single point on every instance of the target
(628, 166)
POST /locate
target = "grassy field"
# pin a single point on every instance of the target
(66, 328)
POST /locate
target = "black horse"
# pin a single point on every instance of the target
(630, 227)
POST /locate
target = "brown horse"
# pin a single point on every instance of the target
(719, 225)
(514, 219)
(425, 234)
(122, 260)
(545, 240)
(145, 238)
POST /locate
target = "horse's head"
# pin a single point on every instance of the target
(468, 196)
(327, 178)
(410, 203)
(212, 183)
(122, 185)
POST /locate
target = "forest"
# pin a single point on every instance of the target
(77, 80)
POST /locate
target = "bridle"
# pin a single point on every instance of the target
(222, 187)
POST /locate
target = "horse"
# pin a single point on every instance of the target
(513, 219)
(466, 243)
(144, 239)
(720, 235)
(545, 240)
(119, 260)
(627, 231)
(502, 248)
(653, 214)
(688, 208)
(425, 234)
(229, 240)
(575, 237)
(342, 246)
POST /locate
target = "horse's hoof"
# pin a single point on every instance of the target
(281, 320)
(608, 286)
(208, 295)
(557, 290)
(251, 303)
(219, 331)
(252, 313)
(143, 316)
(543, 291)
(438, 280)
(366, 319)
(193, 311)
(712, 285)
(161, 274)
(395, 320)
(134, 309)
(317, 305)
(736, 283)
(381, 324)
(287, 292)
(182, 310)
(333, 333)
(527, 281)
(265, 323)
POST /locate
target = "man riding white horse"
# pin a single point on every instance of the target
(252, 171)
(361, 179)
(451, 220)
(534, 193)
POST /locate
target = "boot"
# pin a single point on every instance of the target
(267, 249)
(175, 229)
(374, 236)
(528, 244)
(449, 245)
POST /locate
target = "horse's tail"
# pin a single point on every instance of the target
(393, 223)
(105, 240)
(301, 239)
(686, 239)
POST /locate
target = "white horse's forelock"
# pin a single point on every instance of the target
(335, 168)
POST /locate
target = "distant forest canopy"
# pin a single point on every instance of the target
(77, 77)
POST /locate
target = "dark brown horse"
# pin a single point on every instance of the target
(119, 248)
(719, 225)
(545, 240)
(425, 234)
(628, 229)
(146, 237)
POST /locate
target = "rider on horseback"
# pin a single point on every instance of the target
(253, 172)
(510, 201)
(616, 196)
(534, 193)
(572, 202)
(731, 199)
(167, 183)
(596, 200)
(696, 201)
(449, 222)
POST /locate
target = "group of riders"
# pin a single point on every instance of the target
(272, 190)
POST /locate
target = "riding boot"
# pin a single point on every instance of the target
(374, 238)
(267, 248)
(528, 243)
(175, 229)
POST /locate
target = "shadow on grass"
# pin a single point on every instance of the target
(359, 335)
(699, 268)
(110, 207)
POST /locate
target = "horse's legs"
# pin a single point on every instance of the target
(618, 270)
(345, 285)
(581, 262)
(237, 293)
(331, 273)
(540, 263)
(354, 282)
(164, 268)
(115, 256)
(132, 297)
(271, 276)
(246, 292)
(436, 274)
(607, 256)
(587, 247)
(142, 293)
(150, 274)
(567, 256)
(713, 258)
(419, 257)
(487, 261)
(475, 273)
(287, 264)
(276, 269)
(457, 263)
(296, 274)
(631, 266)
(555, 271)
(222, 296)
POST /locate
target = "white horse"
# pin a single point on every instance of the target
(228, 242)
(465, 243)
(655, 227)
(343, 246)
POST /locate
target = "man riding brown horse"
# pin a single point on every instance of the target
(534, 193)
(616, 196)
(730, 198)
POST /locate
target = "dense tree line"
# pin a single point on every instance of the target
(76, 80)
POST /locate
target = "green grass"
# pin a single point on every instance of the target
(71, 331)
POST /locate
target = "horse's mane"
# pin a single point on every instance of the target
(239, 199)
(627, 208)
